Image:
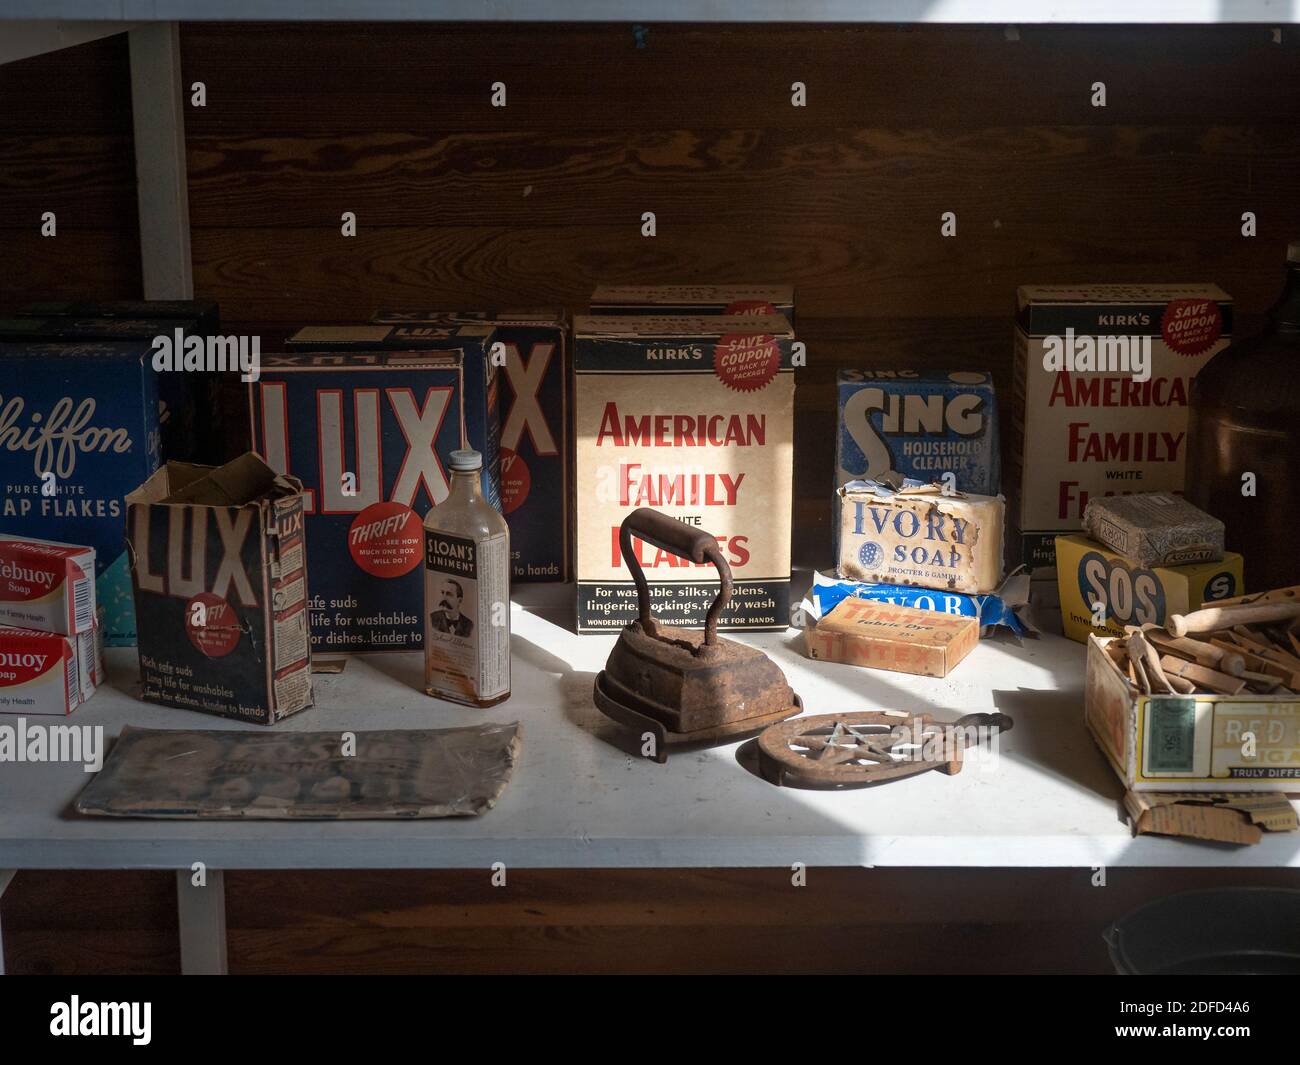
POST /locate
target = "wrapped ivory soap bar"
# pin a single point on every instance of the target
(918, 535)
(1154, 529)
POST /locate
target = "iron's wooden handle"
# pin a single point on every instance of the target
(1213, 618)
(685, 541)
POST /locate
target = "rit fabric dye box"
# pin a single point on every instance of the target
(185, 399)
(535, 434)
(87, 413)
(368, 434)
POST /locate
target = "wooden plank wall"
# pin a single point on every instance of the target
(463, 205)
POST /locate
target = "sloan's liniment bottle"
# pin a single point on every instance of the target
(466, 592)
(1243, 458)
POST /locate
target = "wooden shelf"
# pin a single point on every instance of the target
(893, 11)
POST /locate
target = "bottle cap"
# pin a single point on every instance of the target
(1293, 252)
(465, 459)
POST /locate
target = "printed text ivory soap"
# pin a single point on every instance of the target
(692, 416)
(920, 536)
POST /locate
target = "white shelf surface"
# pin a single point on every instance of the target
(579, 801)
(1020, 12)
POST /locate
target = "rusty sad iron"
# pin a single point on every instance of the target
(682, 685)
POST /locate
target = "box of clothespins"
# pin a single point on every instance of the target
(1208, 701)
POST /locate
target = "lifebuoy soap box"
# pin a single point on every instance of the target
(219, 567)
(1103, 374)
(368, 435)
(692, 416)
(46, 672)
(536, 458)
(46, 585)
(78, 431)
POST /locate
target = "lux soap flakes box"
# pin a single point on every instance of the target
(78, 431)
(535, 431)
(367, 434)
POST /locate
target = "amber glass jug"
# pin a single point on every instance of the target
(1245, 420)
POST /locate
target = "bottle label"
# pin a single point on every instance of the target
(466, 616)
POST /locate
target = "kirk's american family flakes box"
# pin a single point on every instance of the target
(220, 576)
(368, 434)
(78, 431)
(692, 416)
(1103, 375)
(535, 431)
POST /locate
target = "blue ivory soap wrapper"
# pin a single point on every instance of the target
(1005, 607)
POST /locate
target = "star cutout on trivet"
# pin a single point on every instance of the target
(869, 747)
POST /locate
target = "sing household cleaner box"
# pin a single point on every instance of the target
(368, 435)
(535, 432)
(78, 430)
(927, 427)
(219, 570)
(1102, 379)
(693, 417)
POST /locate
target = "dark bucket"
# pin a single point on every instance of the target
(1220, 931)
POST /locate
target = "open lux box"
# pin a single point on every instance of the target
(1191, 742)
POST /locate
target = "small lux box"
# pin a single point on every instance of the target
(46, 585)
(861, 632)
(45, 672)
(1088, 573)
(219, 568)
(918, 535)
(367, 433)
(693, 417)
(694, 300)
(1102, 378)
(1191, 742)
(78, 430)
(535, 432)
(1155, 529)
